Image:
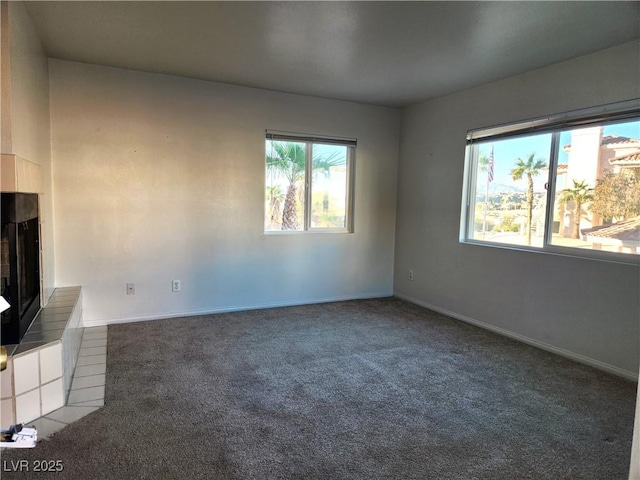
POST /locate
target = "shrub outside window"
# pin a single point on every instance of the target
(308, 183)
(569, 185)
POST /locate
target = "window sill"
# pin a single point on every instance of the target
(593, 255)
(307, 232)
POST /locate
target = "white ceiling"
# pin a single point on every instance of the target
(383, 53)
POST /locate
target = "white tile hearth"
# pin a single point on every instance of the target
(92, 360)
(28, 406)
(88, 370)
(50, 363)
(85, 395)
(39, 370)
(90, 351)
(80, 383)
(26, 372)
(87, 387)
(52, 395)
(71, 414)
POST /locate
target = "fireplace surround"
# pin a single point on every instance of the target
(20, 264)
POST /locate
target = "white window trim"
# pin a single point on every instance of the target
(553, 124)
(309, 139)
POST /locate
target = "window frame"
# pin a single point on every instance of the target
(555, 125)
(309, 140)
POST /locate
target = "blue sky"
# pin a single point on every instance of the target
(507, 151)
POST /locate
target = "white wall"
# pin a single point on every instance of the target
(584, 308)
(159, 178)
(27, 114)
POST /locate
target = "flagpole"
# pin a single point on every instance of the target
(486, 205)
(486, 193)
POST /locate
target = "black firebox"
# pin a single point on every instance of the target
(20, 258)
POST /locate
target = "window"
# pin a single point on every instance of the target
(308, 183)
(569, 184)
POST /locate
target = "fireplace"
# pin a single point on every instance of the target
(20, 259)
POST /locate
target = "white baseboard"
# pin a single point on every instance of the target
(530, 341)
(237, 308)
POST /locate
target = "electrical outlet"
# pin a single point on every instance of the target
(131, 288)
(175, 286)
(410, 274)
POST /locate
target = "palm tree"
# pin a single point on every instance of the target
(530, 167)
(483, 162)
(483, 166)
(288, 159)
(580, 194)
(275, 196)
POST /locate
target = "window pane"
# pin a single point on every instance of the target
(509, 198)
(329, 186)
(285, 195)
(597, 195)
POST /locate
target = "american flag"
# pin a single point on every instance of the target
(490, 171)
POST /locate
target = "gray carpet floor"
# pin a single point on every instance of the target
(363, 389)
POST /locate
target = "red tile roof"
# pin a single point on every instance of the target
(625, 231)
(614, 140)
(631, 159)
(618, 140)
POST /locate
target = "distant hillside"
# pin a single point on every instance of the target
(499, 188)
